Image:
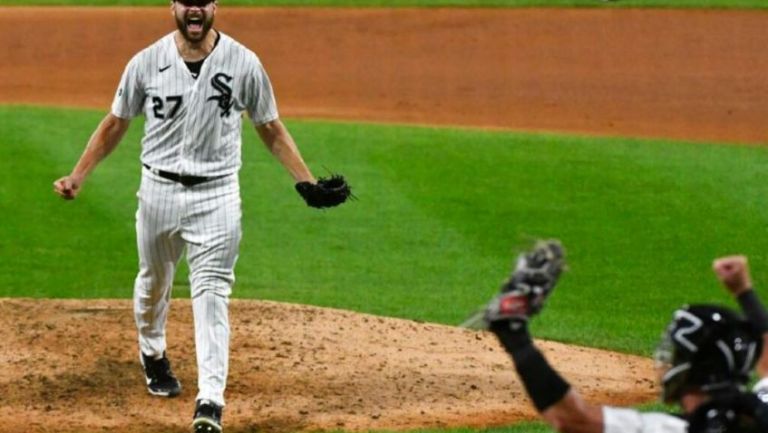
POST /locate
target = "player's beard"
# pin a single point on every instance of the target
(190, 33)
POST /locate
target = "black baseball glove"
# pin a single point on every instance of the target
(327, 192)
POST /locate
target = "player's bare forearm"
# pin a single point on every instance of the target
(574, 415)
(103, 141)
(280, 143)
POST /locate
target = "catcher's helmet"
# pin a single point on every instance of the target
(708, 348)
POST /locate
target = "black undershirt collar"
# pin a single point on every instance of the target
(194, 67)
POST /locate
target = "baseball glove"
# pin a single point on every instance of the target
(523, 294)
(327, 192)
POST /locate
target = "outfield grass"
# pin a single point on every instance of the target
(758, 4)
(439, 214)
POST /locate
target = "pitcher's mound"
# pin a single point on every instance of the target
(72, 366)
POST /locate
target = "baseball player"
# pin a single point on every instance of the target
(192, 86)
(704, 359)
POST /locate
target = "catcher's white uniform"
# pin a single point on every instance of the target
(621, 420)
(761, 389)
(193, 128)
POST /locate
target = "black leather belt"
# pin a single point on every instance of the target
(185, 180)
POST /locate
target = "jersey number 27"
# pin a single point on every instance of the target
(158, 106)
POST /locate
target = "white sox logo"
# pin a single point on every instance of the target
(220, 83)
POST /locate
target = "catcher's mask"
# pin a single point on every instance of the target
(706, 348)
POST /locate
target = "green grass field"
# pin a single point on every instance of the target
(758, 4)
(439, 216)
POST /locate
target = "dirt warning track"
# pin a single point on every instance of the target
(654, 73)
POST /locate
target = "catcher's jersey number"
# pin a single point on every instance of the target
(173, 103)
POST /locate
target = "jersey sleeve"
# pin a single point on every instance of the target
(129, 97)
(761, 389)
(260, 99)
(622, 420)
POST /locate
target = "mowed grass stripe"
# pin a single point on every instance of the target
(439, 216)
(729, 4)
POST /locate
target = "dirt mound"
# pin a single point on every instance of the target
(72, 366)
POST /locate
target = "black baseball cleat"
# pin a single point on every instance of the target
(207, 417)
(160, 378)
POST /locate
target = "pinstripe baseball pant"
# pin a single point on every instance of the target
(205, 219)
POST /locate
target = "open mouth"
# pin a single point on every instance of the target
(195, 24)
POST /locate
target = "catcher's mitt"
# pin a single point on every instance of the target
(327, 192)
(523, 294)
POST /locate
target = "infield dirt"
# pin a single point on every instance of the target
(72, 366)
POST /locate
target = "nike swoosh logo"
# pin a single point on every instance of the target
(165, 68)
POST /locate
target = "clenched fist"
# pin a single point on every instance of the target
(67, 187)
(733, 272)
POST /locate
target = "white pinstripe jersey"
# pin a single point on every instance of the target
(193, 126)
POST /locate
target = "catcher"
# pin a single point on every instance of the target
(704, 358)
